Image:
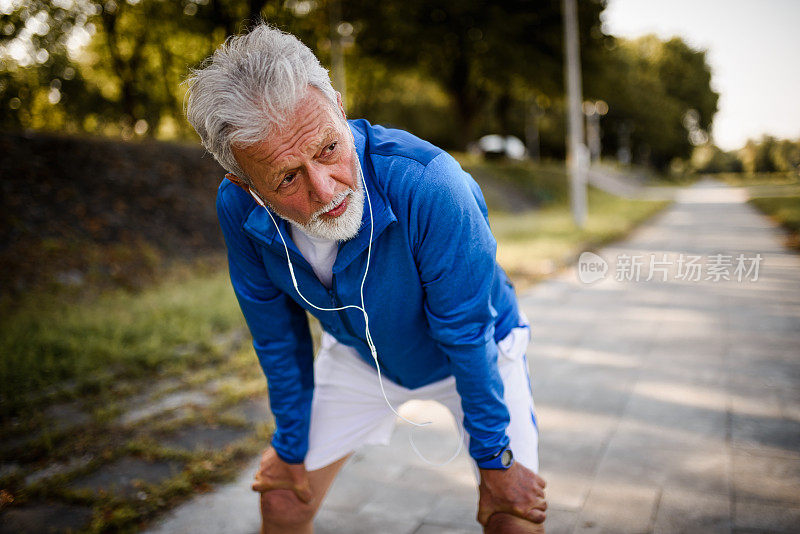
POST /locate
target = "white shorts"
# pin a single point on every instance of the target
(348, 408)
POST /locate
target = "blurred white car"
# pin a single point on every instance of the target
(497, 145)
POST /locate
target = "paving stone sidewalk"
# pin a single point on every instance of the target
(664, 405)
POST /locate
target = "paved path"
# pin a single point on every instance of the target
(665, 406)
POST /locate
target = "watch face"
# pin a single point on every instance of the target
(505, 459)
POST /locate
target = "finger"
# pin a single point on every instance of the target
(538, 491)
(262, 485)
(540, 481)
(532, 505)
(303, 493)
(535, 516)
(483, 515)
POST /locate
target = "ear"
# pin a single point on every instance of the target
(341, 105)
(247, 189)
(238, 181)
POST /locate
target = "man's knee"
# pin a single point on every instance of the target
(283, 508)
(510, 524)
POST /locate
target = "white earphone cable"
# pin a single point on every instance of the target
(362, 309)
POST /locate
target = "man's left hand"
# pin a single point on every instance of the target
(517, 491)
(273, 473)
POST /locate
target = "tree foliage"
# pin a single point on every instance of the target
(658, 92)
(40, 86)
(709, 159)
(770, 155)
(765, 155)
(448, 70)
(127, 79)
(478, 52)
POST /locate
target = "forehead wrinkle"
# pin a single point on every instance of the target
(319, 137)
(309, 114)
(285, 148)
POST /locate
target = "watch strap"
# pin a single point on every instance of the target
(500, 460)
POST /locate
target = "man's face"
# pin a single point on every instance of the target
(307, 171)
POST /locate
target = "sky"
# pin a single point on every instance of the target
(753, 50)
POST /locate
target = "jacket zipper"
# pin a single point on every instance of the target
(346, 322)
(342, 313)
(299, 260)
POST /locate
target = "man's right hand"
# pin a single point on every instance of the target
(274, 473)
(517, 491)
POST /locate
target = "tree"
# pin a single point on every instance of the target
(127, 80)
(686, 77)
(39, 84)
(770, 155)
(476, 51)
(785, 155)
(659, 93)
(709, 158)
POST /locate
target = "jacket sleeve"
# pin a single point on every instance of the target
(279, 327)
(455, 253)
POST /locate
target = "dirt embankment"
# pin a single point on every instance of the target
(88, 212)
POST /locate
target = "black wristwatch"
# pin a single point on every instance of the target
(501, 460)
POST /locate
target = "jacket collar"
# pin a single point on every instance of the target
(259, 225)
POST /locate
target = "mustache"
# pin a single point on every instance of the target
(332, 204)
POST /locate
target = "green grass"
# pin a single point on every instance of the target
(746, 179)
(47, 343)
(774, 194)
(763, 185)
(536, 241)
(534, 244)
(105, 351)
(540, 183)
(786, 212)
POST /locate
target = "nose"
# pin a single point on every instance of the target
(322, 186)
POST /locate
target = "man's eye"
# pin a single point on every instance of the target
(331, 147)
(287, 180)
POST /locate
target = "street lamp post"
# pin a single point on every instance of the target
(576, 149)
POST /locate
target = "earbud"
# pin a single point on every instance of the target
(257, 199)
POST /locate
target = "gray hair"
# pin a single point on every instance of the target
(247, 89)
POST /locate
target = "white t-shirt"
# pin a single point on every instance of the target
(320, 253)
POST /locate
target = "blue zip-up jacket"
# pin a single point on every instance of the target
(436, 298)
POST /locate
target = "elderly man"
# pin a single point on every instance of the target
(385, 240)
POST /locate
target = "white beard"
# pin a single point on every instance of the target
(341, 228)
